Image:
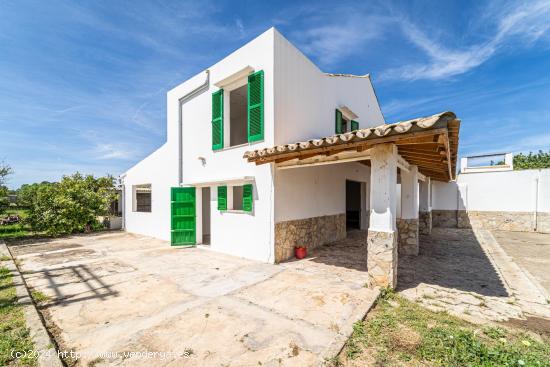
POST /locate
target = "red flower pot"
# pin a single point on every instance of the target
(300, 252)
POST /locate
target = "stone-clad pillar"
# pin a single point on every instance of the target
(407, 226)
(382, 235)
(425, 214)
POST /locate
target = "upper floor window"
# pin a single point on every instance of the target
(238, 112)
(343, 123)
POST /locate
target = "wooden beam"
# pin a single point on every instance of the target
(412, 159)
(431, 155)
(447, 147)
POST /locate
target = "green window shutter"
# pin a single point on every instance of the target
(222, 197)
(338, 122)
(217, 120)
(248, 198)
(256, 106)
(354, 125)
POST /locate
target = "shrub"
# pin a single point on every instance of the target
(71, 205)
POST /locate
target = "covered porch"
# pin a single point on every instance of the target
(402, 160)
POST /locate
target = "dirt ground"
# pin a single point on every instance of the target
(115, 293)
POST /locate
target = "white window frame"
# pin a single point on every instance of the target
(135, 189)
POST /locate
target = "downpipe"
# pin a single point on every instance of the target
(186, 98)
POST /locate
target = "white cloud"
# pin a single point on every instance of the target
(333, 35)
(112, 151)
(524, 23)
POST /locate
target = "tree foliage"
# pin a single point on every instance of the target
(532, 161)
(71, 205)
(5, 171)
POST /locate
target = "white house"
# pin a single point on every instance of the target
(264, 152)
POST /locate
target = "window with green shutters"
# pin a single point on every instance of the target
(222, 197)
(338, 125)
(256, 106)
(248, 198)
(217, 120)
(354, 125)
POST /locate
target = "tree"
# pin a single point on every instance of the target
(71, 205)
(5, 171)
(532, 161)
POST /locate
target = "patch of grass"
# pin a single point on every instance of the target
(95, 362)
(410, 334)
(14, 231)
(39, 296)
(5, 258)
(14, 334)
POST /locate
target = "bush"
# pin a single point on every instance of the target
(69, 206)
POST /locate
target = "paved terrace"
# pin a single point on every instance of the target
(115, 292)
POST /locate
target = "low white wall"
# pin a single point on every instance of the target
(316, 191)
(511, 191)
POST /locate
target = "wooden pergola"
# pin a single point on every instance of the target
(431, 143)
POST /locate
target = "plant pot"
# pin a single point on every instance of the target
(300, 252)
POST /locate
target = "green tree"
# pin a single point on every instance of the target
(532, 161)
(71, 205)
(5, 171)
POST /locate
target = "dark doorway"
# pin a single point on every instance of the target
(353, 205)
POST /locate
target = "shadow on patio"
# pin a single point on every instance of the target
(451, 258)
(77, 283)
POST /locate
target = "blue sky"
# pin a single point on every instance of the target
(83, 84)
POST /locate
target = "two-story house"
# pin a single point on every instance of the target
(265, 152)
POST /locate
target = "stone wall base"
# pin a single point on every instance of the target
(382, 258)
(493, 220)
(444, 218)
(407, 236)
(425, 222)
(308, 232)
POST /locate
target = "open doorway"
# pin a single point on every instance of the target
(206, 215)
(353, 205)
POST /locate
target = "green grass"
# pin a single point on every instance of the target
(38, 296)
(14, 335)
(15, 231)
(398, 332)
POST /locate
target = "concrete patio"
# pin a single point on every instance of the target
(116, 292)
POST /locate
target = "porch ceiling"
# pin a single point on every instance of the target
(431, 143)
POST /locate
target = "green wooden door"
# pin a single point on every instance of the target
(183, 216)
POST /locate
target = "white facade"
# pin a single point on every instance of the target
(299, 104)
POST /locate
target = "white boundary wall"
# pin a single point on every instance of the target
(509, 191)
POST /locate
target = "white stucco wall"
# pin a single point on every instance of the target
(512, 191)
(159, 170)
(306, 98)
(315, 191)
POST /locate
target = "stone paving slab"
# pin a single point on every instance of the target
(465, 272)
(117, 292)
(531, 251)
